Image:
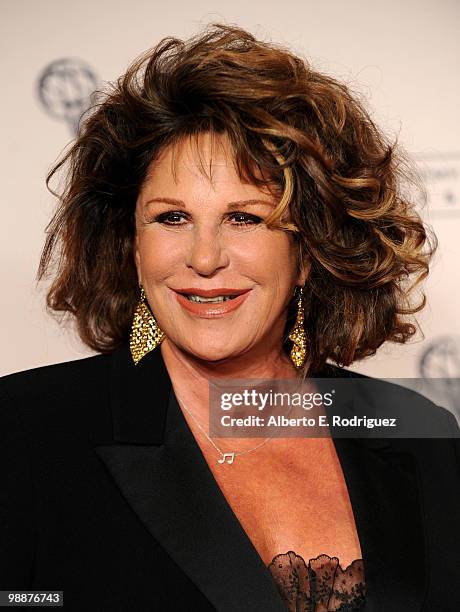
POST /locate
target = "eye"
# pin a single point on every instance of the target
(245, 218)
(168, 218)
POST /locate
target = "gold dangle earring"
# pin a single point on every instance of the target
(297, 335)
(145, 331)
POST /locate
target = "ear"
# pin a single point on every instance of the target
(305, 267)
(137, 257)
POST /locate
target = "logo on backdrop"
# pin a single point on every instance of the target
(441, 360)
(64, 90)
(441, 177)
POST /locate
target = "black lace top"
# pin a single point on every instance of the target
(320, 586)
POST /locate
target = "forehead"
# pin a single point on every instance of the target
(205, 158)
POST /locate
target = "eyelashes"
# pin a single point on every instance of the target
(170, 219)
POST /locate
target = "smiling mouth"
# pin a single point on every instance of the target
(218, 305)
(215, 300)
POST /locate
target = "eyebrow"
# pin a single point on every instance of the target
(230, 205)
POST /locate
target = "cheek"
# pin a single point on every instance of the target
(158, 255)
(145, 254)
(276, 255)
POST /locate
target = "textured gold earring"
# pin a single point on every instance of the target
(145, 331)
(297, 335)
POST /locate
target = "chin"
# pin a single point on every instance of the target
(207, 352)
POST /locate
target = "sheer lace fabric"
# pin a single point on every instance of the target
(320, 586)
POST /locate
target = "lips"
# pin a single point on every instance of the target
(210, 293)
(210, 310)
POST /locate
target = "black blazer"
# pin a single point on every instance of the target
(106, 495)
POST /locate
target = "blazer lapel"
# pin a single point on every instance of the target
(384, 489)
(387, 508)
(161, 472)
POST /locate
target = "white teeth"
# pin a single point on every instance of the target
(219, 298)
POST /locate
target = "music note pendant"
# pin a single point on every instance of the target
(231, 457)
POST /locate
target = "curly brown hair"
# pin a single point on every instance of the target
(343, 183)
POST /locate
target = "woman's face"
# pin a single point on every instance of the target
(195, 234)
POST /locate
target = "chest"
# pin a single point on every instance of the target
(292, 498)
(292, 501)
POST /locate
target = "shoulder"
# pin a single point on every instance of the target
(396, 394)
(59, 378)
(57, 399)
(426, 430)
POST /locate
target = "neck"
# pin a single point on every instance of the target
(190, 375)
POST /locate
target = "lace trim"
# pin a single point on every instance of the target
(320, 586)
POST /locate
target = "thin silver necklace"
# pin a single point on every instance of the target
(228, 457)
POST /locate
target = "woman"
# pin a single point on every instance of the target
(229, 213)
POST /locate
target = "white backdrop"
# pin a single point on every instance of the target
(403, 55)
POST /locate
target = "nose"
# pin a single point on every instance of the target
(207, 253)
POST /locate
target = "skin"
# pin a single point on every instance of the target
(205, 246)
